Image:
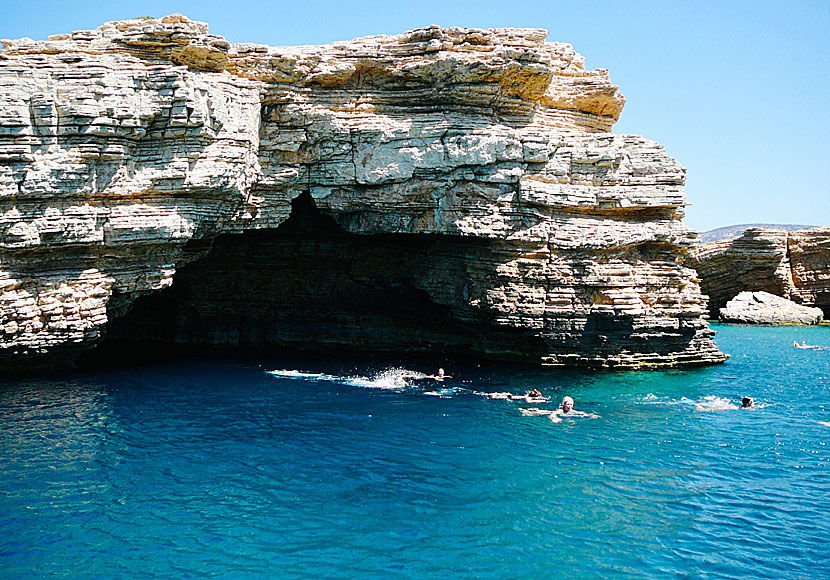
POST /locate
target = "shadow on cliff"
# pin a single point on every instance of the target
(608, 334)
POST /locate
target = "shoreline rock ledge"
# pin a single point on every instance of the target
(444, 191)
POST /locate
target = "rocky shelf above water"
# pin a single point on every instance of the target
(442, 190)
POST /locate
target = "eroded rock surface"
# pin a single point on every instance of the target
(793, 265)
(483, 158)
(766, 308)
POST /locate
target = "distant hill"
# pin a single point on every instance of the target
(728, 232)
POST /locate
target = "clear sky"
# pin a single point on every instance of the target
(737, 91)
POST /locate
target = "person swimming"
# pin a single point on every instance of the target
(439, 375)
(810, 346)
(533, 395)
(747, 402)
(566, 409)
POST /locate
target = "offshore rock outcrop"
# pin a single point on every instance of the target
(452, 189)
(793, 265)
(766, 308)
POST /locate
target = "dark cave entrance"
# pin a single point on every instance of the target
(310, 285)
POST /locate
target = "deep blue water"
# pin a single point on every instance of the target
(223, 469)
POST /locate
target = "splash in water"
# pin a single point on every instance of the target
(712, 403)
(396, 379)
(706, 404)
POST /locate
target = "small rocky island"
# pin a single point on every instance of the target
(443, 190)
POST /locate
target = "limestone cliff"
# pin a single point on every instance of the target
(451, 189)
(793, 265)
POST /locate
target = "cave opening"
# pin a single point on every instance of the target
(309, 285)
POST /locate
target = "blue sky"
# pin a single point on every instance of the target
(738, 92)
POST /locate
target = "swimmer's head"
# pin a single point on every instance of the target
(567, 404)
(747, 402)
(440, 372)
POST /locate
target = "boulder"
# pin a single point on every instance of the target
(766, 308)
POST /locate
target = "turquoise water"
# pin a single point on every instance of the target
(300, 469)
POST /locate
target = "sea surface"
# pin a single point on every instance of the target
(343, 469)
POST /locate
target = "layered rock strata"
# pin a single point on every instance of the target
(452, 189)
(766, 308)
(793, 265)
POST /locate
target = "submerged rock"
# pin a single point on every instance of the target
(450, 190)
(766, 308)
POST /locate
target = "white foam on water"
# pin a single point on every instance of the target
(712, 403)
(445, 393)
(652, 399)
(390, 379)
(535, 412)
(293, 374)
(706, 404)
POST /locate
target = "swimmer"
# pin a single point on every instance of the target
(567, 410)
(499, 395)
(805, 345)
(531, 396)
(747, 402)
(439, 376)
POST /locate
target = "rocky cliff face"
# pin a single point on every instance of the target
(450, 189)
(793, 265)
